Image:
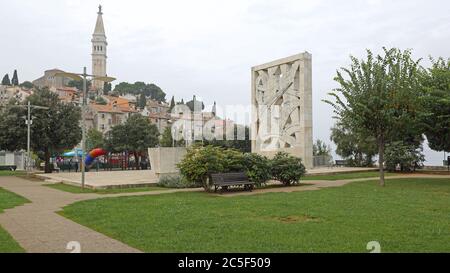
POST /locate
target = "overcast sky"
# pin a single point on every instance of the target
(208, 47)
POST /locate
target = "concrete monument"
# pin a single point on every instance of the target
(282, 107)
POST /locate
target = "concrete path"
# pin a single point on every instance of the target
(37, 228)
(104, 179)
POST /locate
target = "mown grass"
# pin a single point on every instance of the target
(77, 189)
(344, 176)
(9, 200)
(408, 215)
(12, 173)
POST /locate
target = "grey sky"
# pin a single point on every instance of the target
(208, 47)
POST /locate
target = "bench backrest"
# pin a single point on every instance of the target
(228, 177)
(341, 162)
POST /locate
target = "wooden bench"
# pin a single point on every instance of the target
(225, 180)
(341, 163)
(8, 167)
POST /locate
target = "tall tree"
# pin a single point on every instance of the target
(379, 96)
(5, 80)
(436, 101)
(172, 103)
(166, 138)
(136, 135)
(320, 148)
(351, 145)
(52, 131)
(142, 102)
(15, 78)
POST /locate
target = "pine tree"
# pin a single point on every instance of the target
(142, 101)
(214, 109)
(172, 103)
(15, 79)
(5, 80)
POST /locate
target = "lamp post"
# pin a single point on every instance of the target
(78, 77)
(28, 122)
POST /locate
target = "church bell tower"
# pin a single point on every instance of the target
(99, 45)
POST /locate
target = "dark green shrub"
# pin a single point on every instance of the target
(199, 162)
(257, 168)
(287, 168)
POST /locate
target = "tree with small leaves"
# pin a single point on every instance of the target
(436, 102)
(53, 130)
(379, 96)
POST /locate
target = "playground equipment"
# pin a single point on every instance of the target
(93, 154)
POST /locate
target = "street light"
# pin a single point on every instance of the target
(79, 77)
(28, 122)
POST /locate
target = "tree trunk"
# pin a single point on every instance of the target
(381, 160)
(136, 160)
(47, 168)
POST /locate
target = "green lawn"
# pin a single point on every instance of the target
(9, 200)
(343, 176)
(12, 173)
(76, 189)
(408, 215)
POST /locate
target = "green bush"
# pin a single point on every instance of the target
(176, 181)
(257, 168)
(200, 162)
(407, 157)
(287, 168)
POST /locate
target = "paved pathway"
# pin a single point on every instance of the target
(37, 228)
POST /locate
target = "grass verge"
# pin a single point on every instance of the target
(9, 200)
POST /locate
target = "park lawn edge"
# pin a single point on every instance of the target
(7, 240)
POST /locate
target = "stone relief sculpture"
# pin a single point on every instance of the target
(282, 107)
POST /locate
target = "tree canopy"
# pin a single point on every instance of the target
(378, 96)
(149, 90)
(15, 78)
(94, 139)
(52, 131)
(27, 84)
(6, 80)
(436, 102)
(136, 135)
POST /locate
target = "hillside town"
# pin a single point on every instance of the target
(107, 106)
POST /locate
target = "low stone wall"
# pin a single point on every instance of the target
(163, 160)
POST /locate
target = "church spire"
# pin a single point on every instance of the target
(99, 28)
(99, 46)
